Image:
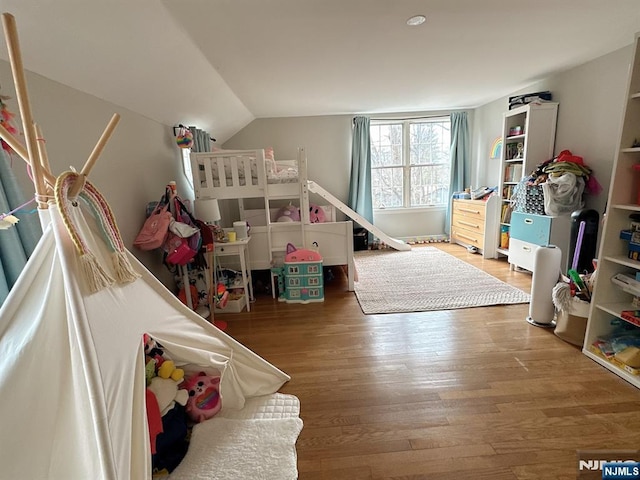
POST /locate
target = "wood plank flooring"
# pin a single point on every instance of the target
(473, 393)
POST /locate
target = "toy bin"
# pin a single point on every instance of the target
(571, 323)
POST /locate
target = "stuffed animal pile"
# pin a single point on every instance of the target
(173, 404)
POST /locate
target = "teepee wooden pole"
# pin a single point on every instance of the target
(42, 153)
(17, 69)
(97, 150)
(42, 150)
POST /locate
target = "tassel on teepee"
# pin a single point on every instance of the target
(124, 271)
(97, 278)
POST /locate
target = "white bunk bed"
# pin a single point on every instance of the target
(244, 174)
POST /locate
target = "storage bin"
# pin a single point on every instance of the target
(571, 324)
(235, 304)
(529, 199)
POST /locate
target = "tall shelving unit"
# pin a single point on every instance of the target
(608, 300)
(537, 122)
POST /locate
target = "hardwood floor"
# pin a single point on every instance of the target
(474, 393)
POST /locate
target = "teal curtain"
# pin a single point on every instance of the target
(16, 243)
(460, 163)
(201, 140)
(360, 198)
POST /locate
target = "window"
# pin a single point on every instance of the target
(410, 162)
(186, 165)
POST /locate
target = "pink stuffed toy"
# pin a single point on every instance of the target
(204, 396)
(316, 214)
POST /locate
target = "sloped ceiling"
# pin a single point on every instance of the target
(219, 64)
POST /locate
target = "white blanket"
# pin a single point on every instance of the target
(229, 449)
(257, 443)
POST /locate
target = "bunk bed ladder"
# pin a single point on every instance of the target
(303, 197)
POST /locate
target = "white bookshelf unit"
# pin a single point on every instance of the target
(522, 150)
(608, 300)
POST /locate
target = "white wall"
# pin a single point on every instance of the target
(139, 160)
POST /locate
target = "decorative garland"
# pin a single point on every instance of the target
(96, 276)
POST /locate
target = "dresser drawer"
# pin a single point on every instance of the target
(531, 228)
(465, 223)
(522, 253)
(466, 237)
(470, 209)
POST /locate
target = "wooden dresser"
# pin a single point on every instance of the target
(473, 223)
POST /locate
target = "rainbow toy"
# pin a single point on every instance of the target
(97, 277)
(496, 148)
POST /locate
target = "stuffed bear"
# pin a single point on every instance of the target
(204, 396)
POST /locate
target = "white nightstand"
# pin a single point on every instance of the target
(239, 248)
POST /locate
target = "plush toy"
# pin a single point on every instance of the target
(168, 393)
(204, 396)
(152, 348)
(154, 357)
(184, 138)
(290, 213)
(316, 214)
(168, 370)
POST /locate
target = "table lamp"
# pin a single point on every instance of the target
(208, 210)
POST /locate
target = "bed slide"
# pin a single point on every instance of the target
(392, 242)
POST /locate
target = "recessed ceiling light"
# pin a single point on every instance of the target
(416, 20)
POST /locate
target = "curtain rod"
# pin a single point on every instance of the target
(175, 133)
(383, 119)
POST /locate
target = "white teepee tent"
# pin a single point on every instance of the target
(72, 381)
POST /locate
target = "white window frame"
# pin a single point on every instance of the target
(406, 161)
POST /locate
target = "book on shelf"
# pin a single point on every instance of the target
(505, 216)
(513, 172)
(631, 316)
(517, 172)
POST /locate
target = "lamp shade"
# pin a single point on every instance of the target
(207, 210)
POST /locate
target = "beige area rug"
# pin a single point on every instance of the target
(426, 279)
